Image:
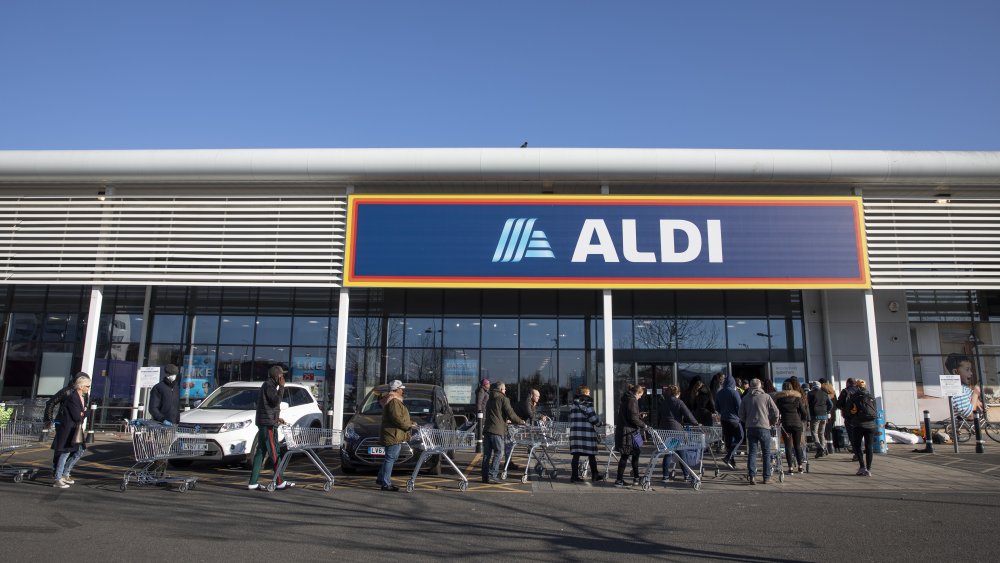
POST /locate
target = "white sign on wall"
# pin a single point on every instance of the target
(780, 371)
(149, 376)
(951, 385)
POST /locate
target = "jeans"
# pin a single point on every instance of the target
(818, 429)
(493, 447)
(866, 436)
(267, 444)
(66, 462)
(732, 435)
(759, 438)
(385, 473)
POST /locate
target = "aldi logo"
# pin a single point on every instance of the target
(605, 242)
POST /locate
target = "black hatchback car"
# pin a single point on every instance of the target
(428, 405)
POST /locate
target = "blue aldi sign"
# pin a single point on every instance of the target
(605, 242)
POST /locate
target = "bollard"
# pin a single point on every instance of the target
(928, 437)
(479, 433)
(980, 447)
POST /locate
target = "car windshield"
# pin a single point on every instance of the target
(234, 398)
(417, 402)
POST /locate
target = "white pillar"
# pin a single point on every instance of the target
(876, 382)
(609, 361)
(341, 368)
(141, 360)
(90, 335)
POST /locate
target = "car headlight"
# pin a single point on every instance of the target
(351, 432)
(230, 426)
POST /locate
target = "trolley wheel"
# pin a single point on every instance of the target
(409, 485)
(270, 487)
(524, 478)
(781, 476)
(182, 488)
(716, 471)
(807, 467)
(503, 475)
(328, 486)
(191, 485)
(123, 487)
(32, 475)
(18, 477)
(646, 485)
(463, 486)
(553, 473)
(696, 485)
(539, 469)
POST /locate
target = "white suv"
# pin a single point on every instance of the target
(225, 419)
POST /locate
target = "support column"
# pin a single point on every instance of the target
(609, 361)
(876, 382)
(141, 360)
(90, 334)
(341, 369)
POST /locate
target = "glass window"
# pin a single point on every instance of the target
(705, 371)
(60, 327)
(168, 328)
(234, 364)
(298, 397)
(366, 331)
(749, 334)
(309, 365)
(621, 331)
(423, 332)
(394, 364)
(461, 333)
(572, 374)
(205, 329)
(538, 371)
(701, 334)
(571, 333)
(267, 356)
(237, 330)
(274, 330)
(499, 333)
(655, 334)
(538, 333)
(422, 365)
(499, 365)
(460, 375)
(311, 331)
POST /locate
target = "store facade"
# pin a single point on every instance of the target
(226, 262)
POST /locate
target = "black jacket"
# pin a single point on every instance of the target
(269, 403)
(791, 409)
(671, 413)
(71, 416)
(165, 401)
(54, 405)
(627, 420)
(527, 411)
(704, 407)
(819, 403)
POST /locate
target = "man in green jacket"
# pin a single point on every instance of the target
(395, 431)
(498, 412)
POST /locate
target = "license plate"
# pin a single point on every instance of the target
(376, 450)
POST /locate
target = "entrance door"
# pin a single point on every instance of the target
(653, 377)
(752, 370)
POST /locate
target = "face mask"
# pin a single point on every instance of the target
(171, 378)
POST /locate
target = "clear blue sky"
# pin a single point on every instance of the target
(125, 74)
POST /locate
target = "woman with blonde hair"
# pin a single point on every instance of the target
(69, 438)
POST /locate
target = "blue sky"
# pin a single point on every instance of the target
(95, 74)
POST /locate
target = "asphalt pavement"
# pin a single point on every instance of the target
(916, 507)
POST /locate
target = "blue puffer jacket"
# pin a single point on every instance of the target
(727, 401)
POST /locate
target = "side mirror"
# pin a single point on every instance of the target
(283, 405)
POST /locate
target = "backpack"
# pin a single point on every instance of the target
(862, 407)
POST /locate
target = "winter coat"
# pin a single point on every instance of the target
(583, 422)
(727, 401)
(820, 405)
(528, 411)
(71, 416)
(482, 395)
(396, 422)
(704, 407)
(758, 410)
(165, 401)
(671, 413)
(791, 409)
(498, 412)
(627, 421)
(269, 403)
(844, 403)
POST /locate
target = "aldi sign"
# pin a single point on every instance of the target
(605, 242)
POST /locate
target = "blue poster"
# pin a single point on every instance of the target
(197, 376)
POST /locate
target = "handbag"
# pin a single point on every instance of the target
(78, 435)
(637, 440)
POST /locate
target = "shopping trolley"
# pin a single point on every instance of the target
(153, 444)
(606, 436)
(713, 439)
(673, 443)
(17, 434)
(306, 441)
(437, 441)
(542, 442)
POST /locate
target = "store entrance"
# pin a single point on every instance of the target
(751, 370)
(653, 377)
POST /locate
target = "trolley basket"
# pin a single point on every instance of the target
(436, 441)
(153, 444)
(306, 441)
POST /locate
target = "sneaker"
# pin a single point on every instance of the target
(861, 472)
(597, 478)
(751, 480)
(766, 480)
(635, 483)
(730, 464)
(666, 479)
(392, 488)
(800, 469)
(495, 481)
(68, 481)
(868, 472)
(620, 484)
(285, 485)
(253, 486)
(575, 479)
(60, 484)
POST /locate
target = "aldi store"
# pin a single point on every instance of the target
(542, 268)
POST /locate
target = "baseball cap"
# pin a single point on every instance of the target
(396, 384)
(277, 370)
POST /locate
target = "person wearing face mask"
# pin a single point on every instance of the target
(165, 398)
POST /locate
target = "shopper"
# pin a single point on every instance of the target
(861, 405)
(482, 395)
(842, 404)
(832, 422)
(758, 413)
(528, 408)
(165, 398)
(628, 433)
(671, 414)
(727, 401)
(395, 431)
(820, 407)
(793, 413)
(69, 441)
(584, 438)
(498, 412)
(268, 419)
(53, 408)
(703, 405)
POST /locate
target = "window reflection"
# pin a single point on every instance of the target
(701, 334)
(499, 333)
(749, 334)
